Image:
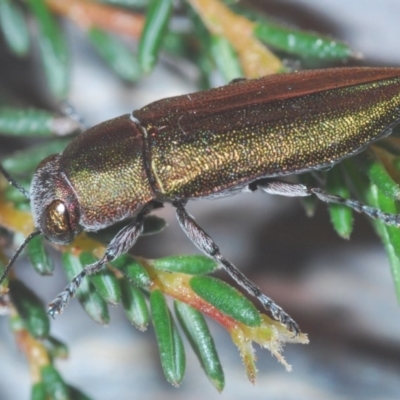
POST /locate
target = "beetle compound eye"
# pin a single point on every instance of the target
(55, 223)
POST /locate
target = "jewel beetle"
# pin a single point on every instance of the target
(239, 137)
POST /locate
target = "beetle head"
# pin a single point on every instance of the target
(55, 207)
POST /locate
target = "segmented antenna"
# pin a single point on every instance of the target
(16, 254)
(13, 182)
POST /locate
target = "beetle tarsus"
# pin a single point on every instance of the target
(58, 305)
(299, 190)
(388, 219)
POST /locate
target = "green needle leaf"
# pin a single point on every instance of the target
(157, 18)
(170, 344)
(14, 27)
(196, 329)
(226, 299)
(56, 348)
(37, 254)
(76, 394)
(119, 57)
(38, 391)
(378, 175)
(135, 305)
(55, 386)
(190, 264)
(33, 122)
(26, 161)
(132, 270)
(298, 42)
(30, 308)
(225, 58)
(53, 49)
(341, 216)
(153, 224)
(390, 235)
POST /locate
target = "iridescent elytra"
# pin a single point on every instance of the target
(238, 137)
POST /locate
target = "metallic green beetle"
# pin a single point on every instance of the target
(210, 144)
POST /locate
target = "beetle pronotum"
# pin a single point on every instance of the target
(208, 144)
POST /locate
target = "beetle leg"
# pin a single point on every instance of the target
(300, 190)
(120, 244)
(204, 242)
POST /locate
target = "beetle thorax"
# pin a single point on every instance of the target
(54, 205)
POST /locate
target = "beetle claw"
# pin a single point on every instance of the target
(279, 314)
(57, 305)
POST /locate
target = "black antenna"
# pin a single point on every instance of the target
(13, 182)
(16, 254)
